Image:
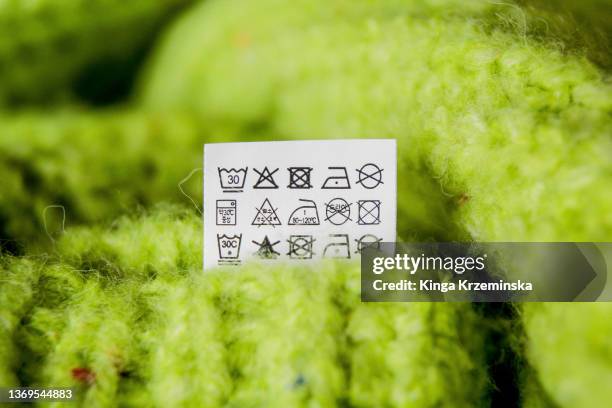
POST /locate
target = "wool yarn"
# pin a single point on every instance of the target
(96, 315)
(72, 167)
(503, 135)
(17, 279)
(580, 26)
(94, 346)
(43, 321)
(294, 336)
(188, 363)
(569, 348)
(47, 46)
(513, 127)
(452, 100)
(158, 331)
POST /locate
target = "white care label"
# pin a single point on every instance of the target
(297, 200)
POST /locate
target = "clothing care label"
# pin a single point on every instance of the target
(297, 200)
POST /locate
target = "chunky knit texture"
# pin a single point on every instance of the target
(74, 167)
(504, 134)
(574, 26)
(514, 128)
(459, 102)
(17, 280)
(570, 348)
(143, 325)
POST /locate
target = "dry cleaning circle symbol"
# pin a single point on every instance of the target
(338, 211)
(370, 176)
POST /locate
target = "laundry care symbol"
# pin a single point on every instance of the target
(232, 180)
(338, 248)
(306, 214)
(370, 176)
(339, 179)
(229, 248)
(338, 211)
(226, 212)
(265, 180)
(266, 215)
(368, 212)
(367, 241)
(299, 177)
(300, 246)
(266, 249)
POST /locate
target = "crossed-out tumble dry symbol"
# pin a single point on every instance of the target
(368, 212)
(370, 176)
(299, 177)
(338, 211)
(300, 246)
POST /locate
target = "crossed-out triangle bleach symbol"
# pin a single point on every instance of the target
(266, 215)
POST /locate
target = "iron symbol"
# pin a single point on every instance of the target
(338, 248)
(306, 214)
(338, 181)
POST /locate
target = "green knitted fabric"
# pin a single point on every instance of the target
(459, 102)
(570, 348)
(582, 26)
(46, 46)
(514, 128)
(503, 120)
(93, 165)
(151, 329)
(17, 279)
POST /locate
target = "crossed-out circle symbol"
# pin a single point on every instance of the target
(338, 211)
(367, 241)
(370, 176)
